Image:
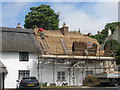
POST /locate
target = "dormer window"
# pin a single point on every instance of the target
(23, 56)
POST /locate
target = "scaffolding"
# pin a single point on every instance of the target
(65, 58)
(72, 63)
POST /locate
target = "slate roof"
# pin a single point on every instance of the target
(116, 35)
(18, 40)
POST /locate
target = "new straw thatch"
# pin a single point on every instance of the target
(58, 44)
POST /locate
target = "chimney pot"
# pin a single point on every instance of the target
(19, 26)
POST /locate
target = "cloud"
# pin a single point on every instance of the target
(89, 17)
(12, 13)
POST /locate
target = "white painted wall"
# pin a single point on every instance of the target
(46, 73)
(11, 61)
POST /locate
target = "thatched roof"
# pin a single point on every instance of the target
(57, 43)
(18, 40)
(3, 68)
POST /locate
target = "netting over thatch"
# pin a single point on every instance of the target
(57, 43)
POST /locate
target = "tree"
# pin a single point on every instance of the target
(100, 37)
(104, 33)
(112, 26)
(42, 16)
(114, 46)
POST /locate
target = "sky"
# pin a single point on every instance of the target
(89, 16)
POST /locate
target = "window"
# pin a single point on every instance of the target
(23, 56)
(23, 73)
(89, 72)
(61, 75)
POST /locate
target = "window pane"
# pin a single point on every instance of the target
(91, 72)
(61, 75)
(23, 73)
(23, 56)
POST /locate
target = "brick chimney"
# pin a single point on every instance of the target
(64, 28)
(19, 26)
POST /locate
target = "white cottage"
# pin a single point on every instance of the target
(62, 57)
(19, 54)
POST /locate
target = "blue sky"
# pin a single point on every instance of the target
(86, 16)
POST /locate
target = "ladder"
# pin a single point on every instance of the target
(44, 45)
(64, 46)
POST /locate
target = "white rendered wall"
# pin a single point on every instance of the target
(13, 65)
(46, 73)
(11, 61)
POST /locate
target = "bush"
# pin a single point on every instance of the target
(90, 81)
(52, 84)
(64, 84)
(44, 84)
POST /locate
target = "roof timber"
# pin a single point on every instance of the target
(76, 57)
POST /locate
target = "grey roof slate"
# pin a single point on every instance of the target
(116, 35)
(18, 40)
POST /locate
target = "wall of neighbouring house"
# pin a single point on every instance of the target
(12, 63)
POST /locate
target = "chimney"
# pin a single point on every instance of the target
(79, 31)
(19, 26)
(64, 29)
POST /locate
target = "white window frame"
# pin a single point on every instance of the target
(22, 73)
(61, 76)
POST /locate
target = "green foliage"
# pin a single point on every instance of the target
(104, 33)
(117, 58)
(112, 26)
(113, 45)
(42, 16)
(110, 44)
(52, 84)
(99, 37)
(64, 84)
